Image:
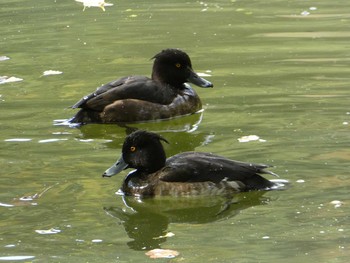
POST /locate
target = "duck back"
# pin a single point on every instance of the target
(207, 167)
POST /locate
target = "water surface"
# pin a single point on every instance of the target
(280, 72)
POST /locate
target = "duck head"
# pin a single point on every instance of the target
(174, 67)
(141, 150)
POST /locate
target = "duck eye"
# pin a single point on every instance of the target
(132, 148)
(178, 65)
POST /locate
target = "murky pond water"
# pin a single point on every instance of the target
(280, 71)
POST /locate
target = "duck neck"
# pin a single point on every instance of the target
(161, 75)
(156, 161)
(157, 77)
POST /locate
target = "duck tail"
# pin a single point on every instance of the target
(257, 182)
(272, 173)
(86, 116)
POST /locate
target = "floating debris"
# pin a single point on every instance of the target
(6, 79)
(162, 253)
(51, 72)
(6, 205)
(169, 234)
(300, 181)
(97, 241)
(27, 199)
(10, 245)
(305, 13)
(14, 258)
(85, 140)
(94, 3)
(61, 133)
(132, 15)
(18, 140)
(51, 140)
(337, 203)
(48, 231)
(3, 58)
(250, 138)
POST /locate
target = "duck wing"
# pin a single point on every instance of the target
(204, 167)
(104, 88)
(132, 87)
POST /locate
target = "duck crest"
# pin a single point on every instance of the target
(173, 55)
(142, 138)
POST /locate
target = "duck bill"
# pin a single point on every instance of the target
(197, 80)
(116, 168)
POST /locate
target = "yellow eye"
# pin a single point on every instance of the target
(132, 148)
(178, 65)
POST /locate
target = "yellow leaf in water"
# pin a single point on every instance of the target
(162, 253)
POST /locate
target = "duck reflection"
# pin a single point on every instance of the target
(180, 132)
(187, 124)
(146, 220)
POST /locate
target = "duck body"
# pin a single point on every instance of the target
(137, 98)
(184, 174)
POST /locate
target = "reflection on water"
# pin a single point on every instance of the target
(181, 133)
(188, 123)
(282, 74)
(146, 220)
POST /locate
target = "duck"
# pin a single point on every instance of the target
(184, 174)
(131, 99)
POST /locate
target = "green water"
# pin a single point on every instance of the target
(280, 71)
